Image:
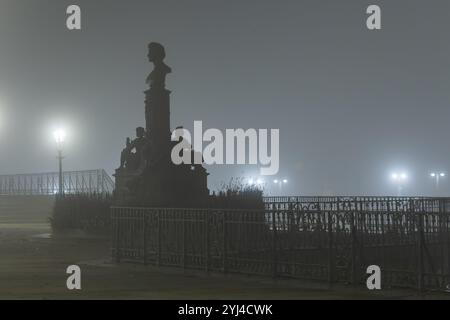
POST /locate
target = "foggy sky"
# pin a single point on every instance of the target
(352, 105)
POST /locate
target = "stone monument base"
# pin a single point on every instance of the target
(165, 185)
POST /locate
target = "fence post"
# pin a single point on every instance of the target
(274, 246)
(144, 236)
(447, 233)
(353, 248)
(442, 241)
(383, 245)
(116, 215)
(207, 248)
(184, 241)
(330, 250)
(159, 237)
(224, 246)
(420, 253)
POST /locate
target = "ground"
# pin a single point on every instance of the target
(33, 265)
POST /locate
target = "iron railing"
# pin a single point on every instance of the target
(358, 203)
(81, 182)
(331, 239)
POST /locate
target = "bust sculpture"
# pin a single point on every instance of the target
(156, 55)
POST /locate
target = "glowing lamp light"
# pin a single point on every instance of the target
(399, 176)
(437, 175)
(60, 136)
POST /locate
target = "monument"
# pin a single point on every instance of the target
(147, 176)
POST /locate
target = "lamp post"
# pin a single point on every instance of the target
(280, 183)
(437, 176)
(399, 179)
(60, 136)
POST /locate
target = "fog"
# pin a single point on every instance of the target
(352, 105)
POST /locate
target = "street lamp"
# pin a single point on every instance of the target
(280, 182)
(399, 178)
(437, 176)
(258, 182)
(60, 137)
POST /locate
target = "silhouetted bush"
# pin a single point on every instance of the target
(238, 195)
(89, 213)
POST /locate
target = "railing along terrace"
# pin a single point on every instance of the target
(394, 204)
(75, 182)
(328, 241)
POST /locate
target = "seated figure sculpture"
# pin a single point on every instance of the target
(125, 155)
(132, 156)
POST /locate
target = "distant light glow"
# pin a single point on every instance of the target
(255, 181)
(399, 176)
(59, 135)
(277, 181)
(437, 175)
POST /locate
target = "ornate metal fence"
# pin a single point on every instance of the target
(83, 182)
(329, 239)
